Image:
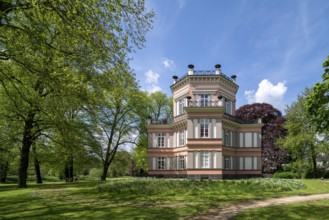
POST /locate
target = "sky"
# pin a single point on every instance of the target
(275, 47)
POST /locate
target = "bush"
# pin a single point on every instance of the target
(286, 175)
(95, 173)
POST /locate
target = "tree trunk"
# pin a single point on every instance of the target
(315, 170)
(36, 165)
(37, 170)
(24, 157)
(4, 166)
(69, 177)
(105, 170)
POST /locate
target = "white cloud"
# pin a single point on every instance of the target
(269, 93)
(167, 63)
(152, 79)
(154, 88)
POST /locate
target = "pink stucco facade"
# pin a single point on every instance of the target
(204, 139)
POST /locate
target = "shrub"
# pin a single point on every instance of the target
(285, 175)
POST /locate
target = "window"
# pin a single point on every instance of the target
(204, 124)
(204, 100)
(227, 138)
(227, 163)
(181, 107)
(182, 162)
(161, 163)
(161, 138)
(228, 106)
(204, 159)
(181, 138)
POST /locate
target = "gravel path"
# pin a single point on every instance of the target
(227, 212)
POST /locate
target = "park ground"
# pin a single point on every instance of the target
(134, 198)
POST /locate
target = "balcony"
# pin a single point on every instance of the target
(160, 122)
(240, 121)
(205, 73)
(217, 103)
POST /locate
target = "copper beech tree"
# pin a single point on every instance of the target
(273, 156)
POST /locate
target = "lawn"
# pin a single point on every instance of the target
(317, 209)
(141, 198)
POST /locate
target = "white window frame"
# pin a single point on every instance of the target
(182, 162)
(204, 100)
(204, 159)
(204, 128)
(228, 104)
(181, 106)
(161, 140)
(227, 138)
(227, 163)
(181, 138)
(161, 163)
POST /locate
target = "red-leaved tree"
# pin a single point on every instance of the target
(273, 156)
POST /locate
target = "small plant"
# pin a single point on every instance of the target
(286, 175)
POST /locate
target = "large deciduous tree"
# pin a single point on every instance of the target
(317, 101)
(273, 156)
(302, 140)
(47, 47)
(116, 121)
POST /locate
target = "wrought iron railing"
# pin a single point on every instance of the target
(238, 120)
(216, 103)
(206, 73)
(161, 121)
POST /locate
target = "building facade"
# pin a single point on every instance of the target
(204, 139)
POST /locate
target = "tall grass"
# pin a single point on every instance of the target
(192, 187)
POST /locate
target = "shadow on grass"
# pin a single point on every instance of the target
(309, 210)
(66, 207)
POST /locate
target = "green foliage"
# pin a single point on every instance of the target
(317, 101)
(95, 173)
(195, 187)
(286, 175)
(53, 55)
(302, 139)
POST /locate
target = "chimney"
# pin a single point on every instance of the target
(218, 71)
(233, 77)
(190, 69)
(175, 79)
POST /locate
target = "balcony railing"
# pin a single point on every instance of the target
(238, 120)
(161, 122)
(205, 73)
(217, 103)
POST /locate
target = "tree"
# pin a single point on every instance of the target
(302, 138)
(317, 101)
(272, 154)
(47, 47)
(159, 106)
(116, 121)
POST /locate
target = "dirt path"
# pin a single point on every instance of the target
(227, 212)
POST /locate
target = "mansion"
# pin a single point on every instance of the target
(204, 140)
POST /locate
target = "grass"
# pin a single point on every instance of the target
(307, 210)
(140, 198)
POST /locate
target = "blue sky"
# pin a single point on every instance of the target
(275, 47)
